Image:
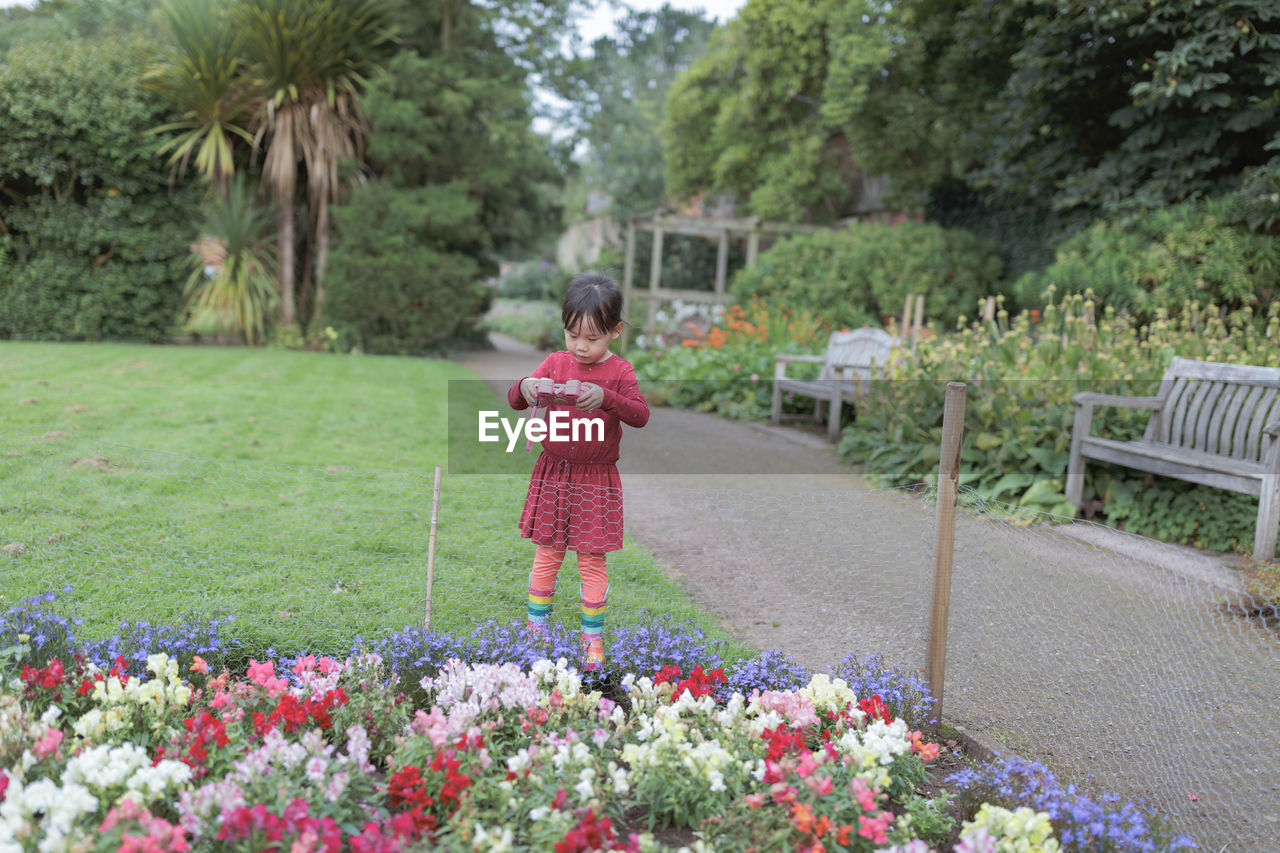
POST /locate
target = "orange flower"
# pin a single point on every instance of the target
(689, 343)
(802, 817)
(716, 338)
(844, 834)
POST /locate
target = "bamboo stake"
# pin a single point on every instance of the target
(905, 331)
(431, 546)
(944, 542)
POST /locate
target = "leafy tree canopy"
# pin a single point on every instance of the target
(1082, 106)
(617, 94)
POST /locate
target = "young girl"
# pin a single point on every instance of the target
(575, 493)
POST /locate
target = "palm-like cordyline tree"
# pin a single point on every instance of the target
(308, 60)
(199, 72)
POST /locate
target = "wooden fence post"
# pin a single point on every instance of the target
(915, 331)
(655, 277)
(944, 542)
(431, 547)
(628, 276)
(905, 331)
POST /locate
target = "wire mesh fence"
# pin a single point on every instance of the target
(1111, 658)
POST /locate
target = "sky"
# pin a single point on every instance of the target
(600, 21)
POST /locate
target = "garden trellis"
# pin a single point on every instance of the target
(1123, 664)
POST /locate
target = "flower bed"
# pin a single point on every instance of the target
(482, 755)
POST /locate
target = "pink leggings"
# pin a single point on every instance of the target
(595, 587)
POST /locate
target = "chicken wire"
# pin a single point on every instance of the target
(1113, 659)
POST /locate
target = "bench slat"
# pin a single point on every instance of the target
(1261, 417)
(1194, 405)
(1166, 426)
(1211, 418)
(1207, 469)
(1239, 445)
(1224, 419)
(820, 389)
(1216, 371)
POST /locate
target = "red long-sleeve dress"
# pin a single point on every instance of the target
(575, 493)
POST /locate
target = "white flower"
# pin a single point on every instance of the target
(493, 842)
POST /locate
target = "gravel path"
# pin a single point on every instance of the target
(1105, 655)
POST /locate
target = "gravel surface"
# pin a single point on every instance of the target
(1105, 655)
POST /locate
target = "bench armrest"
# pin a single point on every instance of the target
(1093, 399)
(1272, 429)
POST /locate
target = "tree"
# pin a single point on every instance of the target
(307, 60)
(92, 236)
(766, 113)
(1122, 106)
(199, 70)
(459, 180)
(617, 95)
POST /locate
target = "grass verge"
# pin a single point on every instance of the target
(291, 491)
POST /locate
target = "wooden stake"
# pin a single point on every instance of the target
(722, 261)
(915, 332)
(905, 331)
(944, 542)
(989, 310)
(628, 274)
(655, 278)
(431, 546)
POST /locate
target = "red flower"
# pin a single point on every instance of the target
(875, 709)
(590, 834)
(698, 683)
(4, 784)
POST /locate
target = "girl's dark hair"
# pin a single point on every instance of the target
(593, 299)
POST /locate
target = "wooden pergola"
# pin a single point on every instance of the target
(695, 226)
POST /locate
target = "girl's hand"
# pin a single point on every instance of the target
(591, 397)
(528, 390)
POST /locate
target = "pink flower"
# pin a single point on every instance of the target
(754, 801)
(875, 828)
(304, 664)
(806, 766)
(863, 793)
(198, 665)
(820, 785)
(755, 377)
(264, 675)
(328, 665)
(48, 744)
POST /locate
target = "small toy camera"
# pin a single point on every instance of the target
(552, 393)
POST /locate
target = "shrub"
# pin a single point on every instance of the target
(865, 272)
(95, 240)
(1194, 253)
(727, 369)
(533, 280)
(1021, 375)
(393, 288)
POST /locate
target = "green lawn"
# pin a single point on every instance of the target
(290, 490)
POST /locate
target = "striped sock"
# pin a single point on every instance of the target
(542, 583)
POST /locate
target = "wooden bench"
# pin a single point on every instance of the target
(847, 364)
(1213, 424)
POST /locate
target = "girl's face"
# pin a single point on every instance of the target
(588, 344)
